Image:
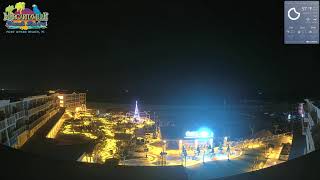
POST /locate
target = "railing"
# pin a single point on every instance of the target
(268, 138)
(11, 120)
(2, 124)
(20, 130)
(20, 114)
(34, 123)
(13, 140)
(39, 108)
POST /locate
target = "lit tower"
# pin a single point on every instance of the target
(136, 115)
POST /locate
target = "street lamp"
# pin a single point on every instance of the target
(163, 153)
(204, 152)
(146, 150)
(228, 152)
(185, 154)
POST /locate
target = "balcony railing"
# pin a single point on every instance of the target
(20, 114)
(20, 130)
(11, 120)
(34, 123)
(13, 140)
(39, 108)
(2, 125)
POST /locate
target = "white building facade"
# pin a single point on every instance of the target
(72, 101)
(19, 120)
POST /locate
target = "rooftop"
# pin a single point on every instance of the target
(317, 103)
(18, 95)
(65, 91)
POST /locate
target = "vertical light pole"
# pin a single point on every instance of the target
(162, 154)
(123, 158)
(204, 152)
(146, 150)
(180, 145)
(195, 143)
(184, 154)
(185, 159)
(228, 152)
(164, 145)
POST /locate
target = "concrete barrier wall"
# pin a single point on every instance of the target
(21, 139)
(27, 134)
(55, 129)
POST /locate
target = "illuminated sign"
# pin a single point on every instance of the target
(199, 134)
(20, 18)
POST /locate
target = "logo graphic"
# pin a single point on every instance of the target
(18, 17)
(295, 11)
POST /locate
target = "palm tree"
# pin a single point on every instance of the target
(20, 6)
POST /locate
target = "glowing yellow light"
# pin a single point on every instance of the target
(86, 123)
(107, 147)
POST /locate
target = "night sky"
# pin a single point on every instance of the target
(161, 52)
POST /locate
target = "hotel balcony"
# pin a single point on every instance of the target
(2, 125)
(20, 115)
(37, 121)
(20, 130)
(13, 139)
(11, 120)
(38, 108)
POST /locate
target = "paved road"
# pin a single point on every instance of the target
(215, 169)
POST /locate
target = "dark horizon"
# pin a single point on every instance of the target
(169, 52)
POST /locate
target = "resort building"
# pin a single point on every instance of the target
(310, 127)
(72, 101)
(22, 115)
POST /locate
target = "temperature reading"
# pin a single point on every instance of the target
(306, 8)
(301, 22)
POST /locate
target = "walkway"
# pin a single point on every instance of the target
(39, 144)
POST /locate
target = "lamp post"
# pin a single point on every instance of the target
(204, 152)
(185, 154)
(228, 152)
(146, 150)
(163, 156)
(163, 153)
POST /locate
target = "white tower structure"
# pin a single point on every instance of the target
(136, 115)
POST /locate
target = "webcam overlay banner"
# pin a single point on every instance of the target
(301, 22)
(24, 18)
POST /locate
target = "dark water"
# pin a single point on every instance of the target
(223, 121)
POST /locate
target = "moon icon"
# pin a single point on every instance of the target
(296, 12)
